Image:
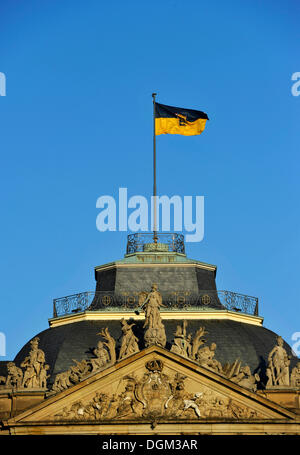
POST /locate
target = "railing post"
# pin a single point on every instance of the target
(54, 309)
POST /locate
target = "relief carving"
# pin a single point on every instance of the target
(192, 348)
(205, 358)
(105, 354)
(155, 396)
(182, 343)
(241, 375)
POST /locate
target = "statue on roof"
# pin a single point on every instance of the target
(14, 378)
(35, 374)
(154, 328)
(278, 366)
(129, 344)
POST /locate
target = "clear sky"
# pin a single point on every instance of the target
(76, 124)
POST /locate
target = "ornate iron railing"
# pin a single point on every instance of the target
(165, 242)
(179, 300)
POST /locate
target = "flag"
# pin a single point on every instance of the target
(178, 120)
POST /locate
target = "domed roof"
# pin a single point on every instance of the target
(249, 343)
(232, 322)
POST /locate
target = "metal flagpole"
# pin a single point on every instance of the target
(154, 172)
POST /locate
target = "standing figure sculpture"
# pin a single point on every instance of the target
(35, 374)
(155, 330)
(278, 366)
(129, 344)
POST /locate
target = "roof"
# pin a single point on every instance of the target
(250, 343)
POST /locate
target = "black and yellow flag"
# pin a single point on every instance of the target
(177, 120)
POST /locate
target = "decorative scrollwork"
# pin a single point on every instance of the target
(140, 242)
(177, 299)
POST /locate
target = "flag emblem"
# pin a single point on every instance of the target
(175, 120)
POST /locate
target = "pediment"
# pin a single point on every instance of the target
(153, 384)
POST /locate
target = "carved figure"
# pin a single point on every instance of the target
(278, 366)
(154, 396)
(102, 357)
(129, 343)
(205, 358)
(182, 343)
(85, 367)
(245, 379)
(62, 381)
(109, 343)
(193, 403)
(155, 330)
(35, 374)
(175, 404)
(14, 377)
(127, 400)
(198, 341)
(295, 376)
(79, 371)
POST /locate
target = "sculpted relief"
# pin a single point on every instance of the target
(33, 371)
(34, 375)
(194, 349)
(105, 355)
(156, 395)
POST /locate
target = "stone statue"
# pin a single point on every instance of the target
(109, 343)
(205, 358)
(278, 366)
(62, 381)
(295, 376)
(155, 330)
(35, 374)
(14, 377)
(197, 341)
(79, 371)
(244, 378)
(129, 344)
(182, 343)
(105, 354)
(102, 357)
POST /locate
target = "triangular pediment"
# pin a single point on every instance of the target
(153, 385)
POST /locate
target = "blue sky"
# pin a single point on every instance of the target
(76, 124)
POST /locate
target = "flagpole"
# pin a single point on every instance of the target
(154, 172)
